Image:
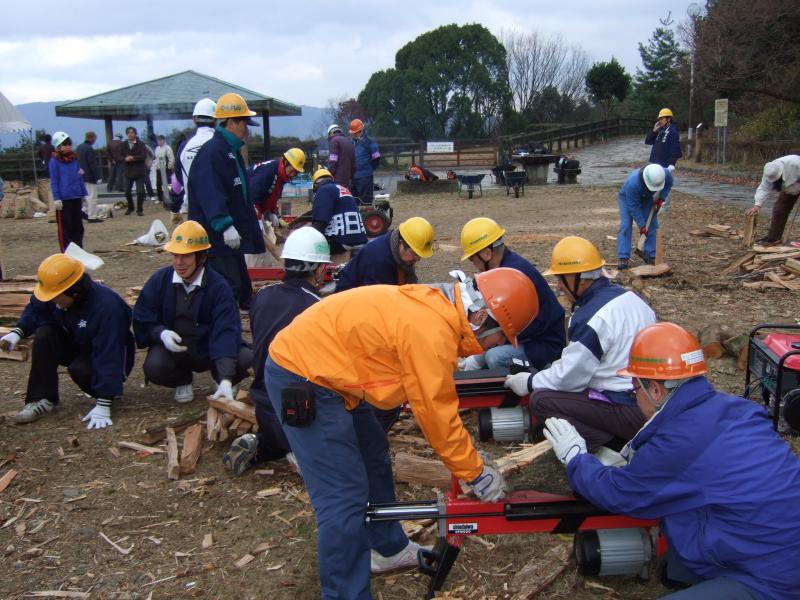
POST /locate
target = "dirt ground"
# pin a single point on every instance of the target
(64, 497)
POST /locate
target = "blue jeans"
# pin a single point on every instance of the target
(501, 356)
(625, 227)
(344, 458)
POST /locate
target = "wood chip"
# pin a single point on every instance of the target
(245, 560)
(267, 492)
(56, 594)
(6, 479)
(140, 447)
(192, 447)
(173, 466)
(208, 541)
(115, 546)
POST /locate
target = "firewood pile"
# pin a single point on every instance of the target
(721, 231)
(767, 267)
(230, 418)
(15, 294)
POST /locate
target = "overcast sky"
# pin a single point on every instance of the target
(301, 52)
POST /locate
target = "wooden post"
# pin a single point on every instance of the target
(698, 144)
(749, 230)
(265, 133)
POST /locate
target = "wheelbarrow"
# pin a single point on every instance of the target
(470, 182)
(516, 180)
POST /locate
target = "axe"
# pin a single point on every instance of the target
(653, 211)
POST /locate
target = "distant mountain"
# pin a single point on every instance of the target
(42, 115)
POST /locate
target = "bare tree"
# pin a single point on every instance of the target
(537, 62)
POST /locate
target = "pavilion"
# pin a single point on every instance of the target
(169, 98)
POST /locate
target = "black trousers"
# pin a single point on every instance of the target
(780, 214)
(129, 181)
(363, 189)
(172, 369)
(599, 423)
(272, 442)
(116, 178)
(53, 347)
(234, 269)
(70, 223)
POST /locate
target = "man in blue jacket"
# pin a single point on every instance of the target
(266, 180)
(219, 198)
(305, 256)
(665, 140)
(644, 193)
(82, 325)
(336, 215)
(368, 157)
(187, 318)
(542, 341)
(725, 485)
(583, 386)
(390, 258)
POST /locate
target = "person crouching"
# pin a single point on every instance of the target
(188, 319)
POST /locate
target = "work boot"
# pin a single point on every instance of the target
(240, 455)
(648, 260)
(624, 263)
(33, 411)
(184, 393)
(407, 557)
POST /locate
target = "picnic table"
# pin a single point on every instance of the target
(536, 166)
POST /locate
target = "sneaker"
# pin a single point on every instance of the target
(623, 264)
(184, 393)
(153, 199)
(404, 559)
(129, 211)
(240, 455)
(33, 411)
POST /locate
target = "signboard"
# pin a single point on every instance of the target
(433, 147)
(721, 112)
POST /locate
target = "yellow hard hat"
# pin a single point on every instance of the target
(321, 172)
(188, 237)
(232, 105)
(664, 112)
(296, 158)
(574, 254)
(478, 233)
(418, 234)
(56, 275)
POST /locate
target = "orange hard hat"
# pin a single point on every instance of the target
(356, 125)
(511, 297)
(665, 351)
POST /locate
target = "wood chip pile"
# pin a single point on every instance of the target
(767, 267)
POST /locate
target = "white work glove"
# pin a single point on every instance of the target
(671, 168)
(10, 340)
(231, 237)
(566, 441)
(472, 363)
(58, 204)
(224, 390)
(490, 485)
(171, 341)
(520, 383)
(100, 416)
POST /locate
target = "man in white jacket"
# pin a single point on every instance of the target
(165, 166)
(780, 175)
(583, 386)
(203, 116)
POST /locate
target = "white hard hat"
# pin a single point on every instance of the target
(307, 244)
(773, 170)
(59, 137)
(654, 177)
(333, 128)
(205, 108)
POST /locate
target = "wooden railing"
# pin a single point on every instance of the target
(560, 139)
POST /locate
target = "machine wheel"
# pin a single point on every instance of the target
(375, 222)
(791, 409)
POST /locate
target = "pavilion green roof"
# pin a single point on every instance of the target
(171, 97)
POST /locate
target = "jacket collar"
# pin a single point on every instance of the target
(232, 140)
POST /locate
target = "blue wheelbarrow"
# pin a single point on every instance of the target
(470, 182)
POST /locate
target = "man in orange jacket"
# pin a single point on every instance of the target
(384, 345)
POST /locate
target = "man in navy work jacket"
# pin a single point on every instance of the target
(644, 190)
(390, 258)
(583, 386)
(542, 341)
(368, 157)
(665, 140)
(266, 181)
(219, 197)
(305, 256)
(187, 318)
(82, 325)
(725, 485)
(336, 215)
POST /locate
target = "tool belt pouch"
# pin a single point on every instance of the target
(297, 404)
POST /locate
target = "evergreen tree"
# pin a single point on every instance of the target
(607, 84)
(657, 84)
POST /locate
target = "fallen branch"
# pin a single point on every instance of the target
(115, 546)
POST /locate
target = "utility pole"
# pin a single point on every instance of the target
(693, 10)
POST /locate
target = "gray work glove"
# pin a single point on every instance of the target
(490, 485)
(171, 341)
(231, 237)
(566, 441)
(520, 383)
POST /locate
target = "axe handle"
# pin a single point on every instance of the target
(643, 238)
